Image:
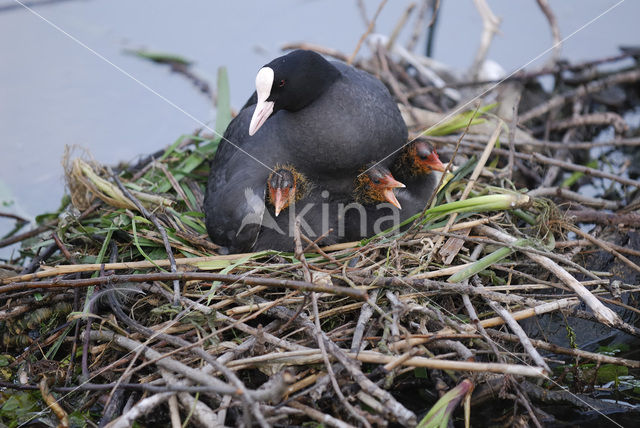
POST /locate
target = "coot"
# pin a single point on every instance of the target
(324, 117)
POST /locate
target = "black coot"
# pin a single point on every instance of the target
(326, 118)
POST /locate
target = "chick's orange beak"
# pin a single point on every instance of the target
(434, 162)
(280, 199)
(389, 183)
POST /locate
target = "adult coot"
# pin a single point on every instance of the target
(324, 117)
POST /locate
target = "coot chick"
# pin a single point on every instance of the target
(415, 167)
(290, 194)
(376, 207)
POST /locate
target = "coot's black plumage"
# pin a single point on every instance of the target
(324, 117)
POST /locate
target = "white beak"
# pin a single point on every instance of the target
(264, 108)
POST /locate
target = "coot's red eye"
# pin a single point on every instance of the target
(282, 83)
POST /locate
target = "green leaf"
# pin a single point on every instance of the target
(573, 178)
(480, 265)
(159, 57)
(440, 413)
(223, 108)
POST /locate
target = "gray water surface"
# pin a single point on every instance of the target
(54, 92)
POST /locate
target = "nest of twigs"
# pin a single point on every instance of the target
(119, 307)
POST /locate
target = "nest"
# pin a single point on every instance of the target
(119, 306)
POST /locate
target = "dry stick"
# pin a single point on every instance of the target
(176, 186)
(541, 309)
(604, 245)
(561, 192)
(308, 277)
(22, 236)
(591, 87)
(593, 216)
(161, 229)
(321, 417)
(537, 157)
(418, 26)
(332, 376)
(200, 412)
(602, 313)
(315, 357)
(571, 145)
(199, 351)
(599, 119)
(471, 310)
(517, 330)
(94, 267)
(555, 31)
(585, 170)
(140, 409)
(175, 412)
(394, 408)
(592, 356)
(197, 375)
(512, 134)
(444, 287)
(366, 33)
(552, 173)
(365, 315)
(453, 245)
(182, 276)
(490, 24)
(400, 25)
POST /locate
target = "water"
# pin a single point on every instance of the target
(54, 92)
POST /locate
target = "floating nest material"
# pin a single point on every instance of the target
(119, 307)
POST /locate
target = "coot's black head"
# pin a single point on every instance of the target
(290, 82)
(376, 185)
(285, 185)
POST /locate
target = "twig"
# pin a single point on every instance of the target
(366, 33)
(400, 25)
(594, 119)
(591, 87)
(490, 27)
(327, 364)
(555, 31)
(604, 314)
(149, 216)
(517, 330)
(184, 276)
(562, 192)
(604, 245)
